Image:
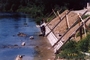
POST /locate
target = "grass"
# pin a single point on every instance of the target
(85, 16)
(72, 49)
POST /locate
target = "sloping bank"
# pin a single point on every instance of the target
(57, 27)
(63, 28)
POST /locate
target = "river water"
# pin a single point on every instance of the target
(10, 42)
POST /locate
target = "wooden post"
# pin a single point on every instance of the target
(84, 25)
(80, 30)
(58, 15)
(49, 16)
(69, 29)
(57, 24)
(54, 12)
(67, 22)
(56, 44)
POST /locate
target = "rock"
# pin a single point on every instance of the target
(40, 34)
(21, 34)
(15, 45)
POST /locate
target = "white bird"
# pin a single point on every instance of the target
(23, 43)
(31, 37)
(19, 57)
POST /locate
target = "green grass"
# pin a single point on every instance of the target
(72, 49)
(85, 16)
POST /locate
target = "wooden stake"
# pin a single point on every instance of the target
(67, 22)
(58, 15)
(54, 12)
(80, 30)
(84, 25)
(58, 23)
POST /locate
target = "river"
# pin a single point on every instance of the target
(10, 42)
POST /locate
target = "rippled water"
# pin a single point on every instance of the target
(10, 43)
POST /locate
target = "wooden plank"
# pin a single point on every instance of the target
(69, 29)
(67, 22)
(57, 24)
(54, 12)
(82, 23)
(58, 15)
(68, 34)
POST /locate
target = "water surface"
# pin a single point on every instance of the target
(9, 28)
(10, 42)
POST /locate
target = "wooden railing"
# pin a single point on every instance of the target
(57, 24)
(60, 43)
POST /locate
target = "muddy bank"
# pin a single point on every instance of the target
(44, 51)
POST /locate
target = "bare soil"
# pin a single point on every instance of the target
(44, 51)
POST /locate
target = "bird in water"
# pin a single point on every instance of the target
(19, 57)
(31, 37)
(23, 43)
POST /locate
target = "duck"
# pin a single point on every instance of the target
(23, 43)
(19, 57)
(31, 37)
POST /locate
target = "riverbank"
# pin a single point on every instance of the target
(10, 41)
(56, 33)
(44, 51)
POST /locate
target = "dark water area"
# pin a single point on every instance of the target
(10, 42)
(11, 14)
